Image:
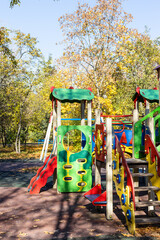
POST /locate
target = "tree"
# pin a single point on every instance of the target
(92, 36)
(16, 2)
(40, 104)
(17, 79)
(137, 59)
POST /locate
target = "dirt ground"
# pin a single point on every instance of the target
(49, 215)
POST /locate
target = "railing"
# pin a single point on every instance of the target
(138, 140)
(153, 155)
(157, 120)
(125, 190)
(153, 159)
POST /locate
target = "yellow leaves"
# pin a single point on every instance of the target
(47, 232)
(22, 234)
(36, 220)
(81, 206)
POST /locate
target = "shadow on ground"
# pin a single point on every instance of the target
(50, 215)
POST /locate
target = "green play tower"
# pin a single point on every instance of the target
(74, 166)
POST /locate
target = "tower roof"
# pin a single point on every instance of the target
(71, 95)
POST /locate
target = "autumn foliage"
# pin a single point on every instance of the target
(101, 52)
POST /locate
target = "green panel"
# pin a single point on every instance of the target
(80, 171)
(138, 132)
(138, 140)
(72, 95)
(157, 124)
(151, 95)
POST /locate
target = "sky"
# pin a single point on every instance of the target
(40, 19)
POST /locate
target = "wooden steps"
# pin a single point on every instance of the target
(143, 203)
(142, 174)
(147, 203)
(146, 188)
(136, 163)
(143, 220)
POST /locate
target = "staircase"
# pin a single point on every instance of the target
(139, 199)
(145, 198)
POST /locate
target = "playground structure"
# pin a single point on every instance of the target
(74, 170)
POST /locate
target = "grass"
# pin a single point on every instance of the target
(28, 152)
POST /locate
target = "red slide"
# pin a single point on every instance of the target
(40, 180)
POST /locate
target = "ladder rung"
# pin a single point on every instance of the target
(146, 188)
(147, 203)
(147, 220)
(142, 174)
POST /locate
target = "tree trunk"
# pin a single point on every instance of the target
(17, 142)
(3, 137)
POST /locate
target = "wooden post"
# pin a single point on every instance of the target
(146, 112)
(45, 141)
(54, 126)
(58, 123)
(97, 163)
(159, 82)
(58, 113)
(89, 113)
(135, 119)
(48, 137)
(151, 128)
(109, 180)
(158, 72)
(82, 113)
(151, 194)
(54, 139)
(136, 170)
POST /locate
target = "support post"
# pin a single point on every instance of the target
(109, 178)
(48, 137)
(159, 82)
(146, 112)
(89, 113)
(151, 128)
(97, 163)
(54, 126)
(82, 113)
(158, 73)
(58, 113)
(136, 170)
(54, 139)
(45, 141)
(151, 195)
(135, 119)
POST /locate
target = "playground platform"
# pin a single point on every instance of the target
(49, 215)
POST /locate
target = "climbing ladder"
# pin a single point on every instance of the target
(145, 194)
(145, 199)
(137, 180)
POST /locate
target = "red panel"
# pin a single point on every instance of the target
(101, 198)
(100, 157)
(149, 146)
(130, 141)
(42, 175)
(95, 190)
(123, 138)
(38, 173)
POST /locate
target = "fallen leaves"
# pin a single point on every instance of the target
(36, 220)
(22, 234)
(50, 233)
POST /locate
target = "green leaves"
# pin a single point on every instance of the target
(19, 58)
(14, 2)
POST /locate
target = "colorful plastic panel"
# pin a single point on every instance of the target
(74, 170)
